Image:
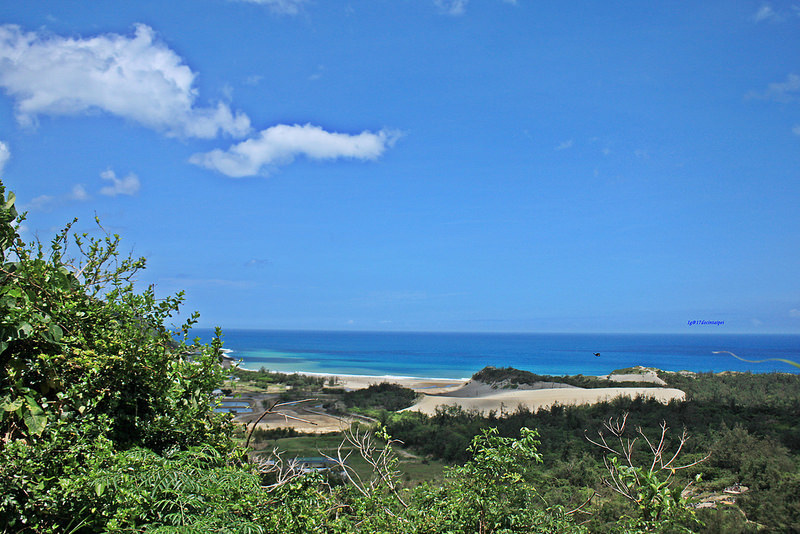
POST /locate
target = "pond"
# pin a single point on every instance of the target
(233, 406)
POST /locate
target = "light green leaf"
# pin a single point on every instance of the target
(10, 201)
(24, 330)
(55, 332)
(34, 417)
(11, 406)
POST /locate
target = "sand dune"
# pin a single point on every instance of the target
(534, 399)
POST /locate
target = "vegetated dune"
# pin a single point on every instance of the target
(506, 400)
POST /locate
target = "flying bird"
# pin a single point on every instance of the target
(596, 354)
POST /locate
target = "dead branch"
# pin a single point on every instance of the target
(285, 471)
(270, 410)
(380, 458)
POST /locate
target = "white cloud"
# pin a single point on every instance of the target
(781, 91)
(135, 77)
(128, 185)
(46, 203)
(79, 193)
(766, 12)
(565, 145)
(317, 73)
(452, 7)
(796, 129)
(5, 154)
(40, 203)
(286, 7)
(281, 144)
(253, 80)
(794, 312)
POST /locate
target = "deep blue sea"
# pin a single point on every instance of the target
(458, 355)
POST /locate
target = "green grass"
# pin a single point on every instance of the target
(413, 470)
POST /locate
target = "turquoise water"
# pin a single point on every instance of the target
(456, 355)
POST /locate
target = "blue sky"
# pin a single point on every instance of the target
(427, 165)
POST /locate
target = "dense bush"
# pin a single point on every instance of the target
(88, 370)
(510, 378)
(263, 378)
(384, 396)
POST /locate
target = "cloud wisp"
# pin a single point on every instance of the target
(764, 13)
(135, 77)
(284, 7)
(565, 145)
(452, 7)
(129, 185)
(783, 92)
(49, 202)
(5, 155)
(281, 144)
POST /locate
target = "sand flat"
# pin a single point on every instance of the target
(421, 385)
(509, 400)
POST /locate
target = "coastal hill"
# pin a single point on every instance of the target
(501, 390)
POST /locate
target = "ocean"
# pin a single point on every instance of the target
(459, 355)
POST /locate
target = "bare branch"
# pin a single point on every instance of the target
(270, 410)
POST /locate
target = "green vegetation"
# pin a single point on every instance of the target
(747, 421)
(384, 396)
(264, 380)
(510, 378)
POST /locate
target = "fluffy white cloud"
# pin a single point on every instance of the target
(281, 144)
(135, 77)
(5, 153)
(452, 7)
(129, 185)
(287, 7)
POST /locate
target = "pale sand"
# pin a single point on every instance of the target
(534, 399)
(421, 385)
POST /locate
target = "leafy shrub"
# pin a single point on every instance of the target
(385, 396)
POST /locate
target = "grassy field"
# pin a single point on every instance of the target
(414, 470)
